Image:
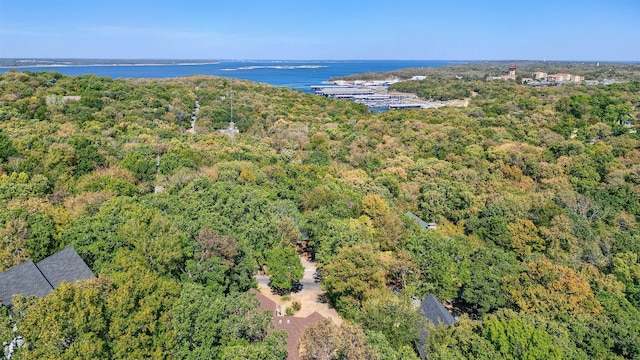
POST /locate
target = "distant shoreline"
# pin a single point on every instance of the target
(17, 63)
(26, 65)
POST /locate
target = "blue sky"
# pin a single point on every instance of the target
(322, 29)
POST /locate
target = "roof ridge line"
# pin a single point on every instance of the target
(41, 273)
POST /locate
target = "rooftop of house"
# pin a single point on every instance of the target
(293, 325)
(41, 278)
(435, 312)
(423, 224)
(25, 279)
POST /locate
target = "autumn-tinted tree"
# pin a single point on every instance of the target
(552, 290)
(326, 341)
(355, 276)
(140, 310)
(72, 322)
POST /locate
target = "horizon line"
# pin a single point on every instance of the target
(299, 60)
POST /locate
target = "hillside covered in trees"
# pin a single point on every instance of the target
(483, 69)
(535, 192)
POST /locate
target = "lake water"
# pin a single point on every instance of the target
(298, 75)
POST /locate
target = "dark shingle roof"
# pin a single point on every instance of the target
(65, 265)
(39, 279)
(23, 279)
(435, 312)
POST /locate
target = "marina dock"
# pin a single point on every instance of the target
(372, 96)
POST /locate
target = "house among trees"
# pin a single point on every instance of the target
(41, 278)
(423, 224)
(435, 314)
(293, 325)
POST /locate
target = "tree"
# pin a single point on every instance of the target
(356, 275)
(514, 338)
(402, 271)
(326, 341)
(618, 113)
(215, 326)
(141, 162)
(284, 268)
(13, 243)
(524, 237)
(485, 291)
(374, 206)
(88, 155)
(559, 237)
(553, 290)
(287, 231)
(583, 174)
(219, 264)
(393, 316)
(6, 147)
(6, 326)
(578, 105)
(42, 240)
(462, 341)
(384, 349)
(180, 155)
(124, 224)
(626, 267)
(442, 263)
(390, 231)
(444, 200)
(213, 244)
(243, 211)
(273, 347)
(337, 234)
(491, 225)
(615, 331)
(73, 322)
(140, 310)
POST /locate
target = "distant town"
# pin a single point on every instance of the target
(375, 94)
(540, 78)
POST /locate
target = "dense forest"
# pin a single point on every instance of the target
(535, 193)
(483, 69)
